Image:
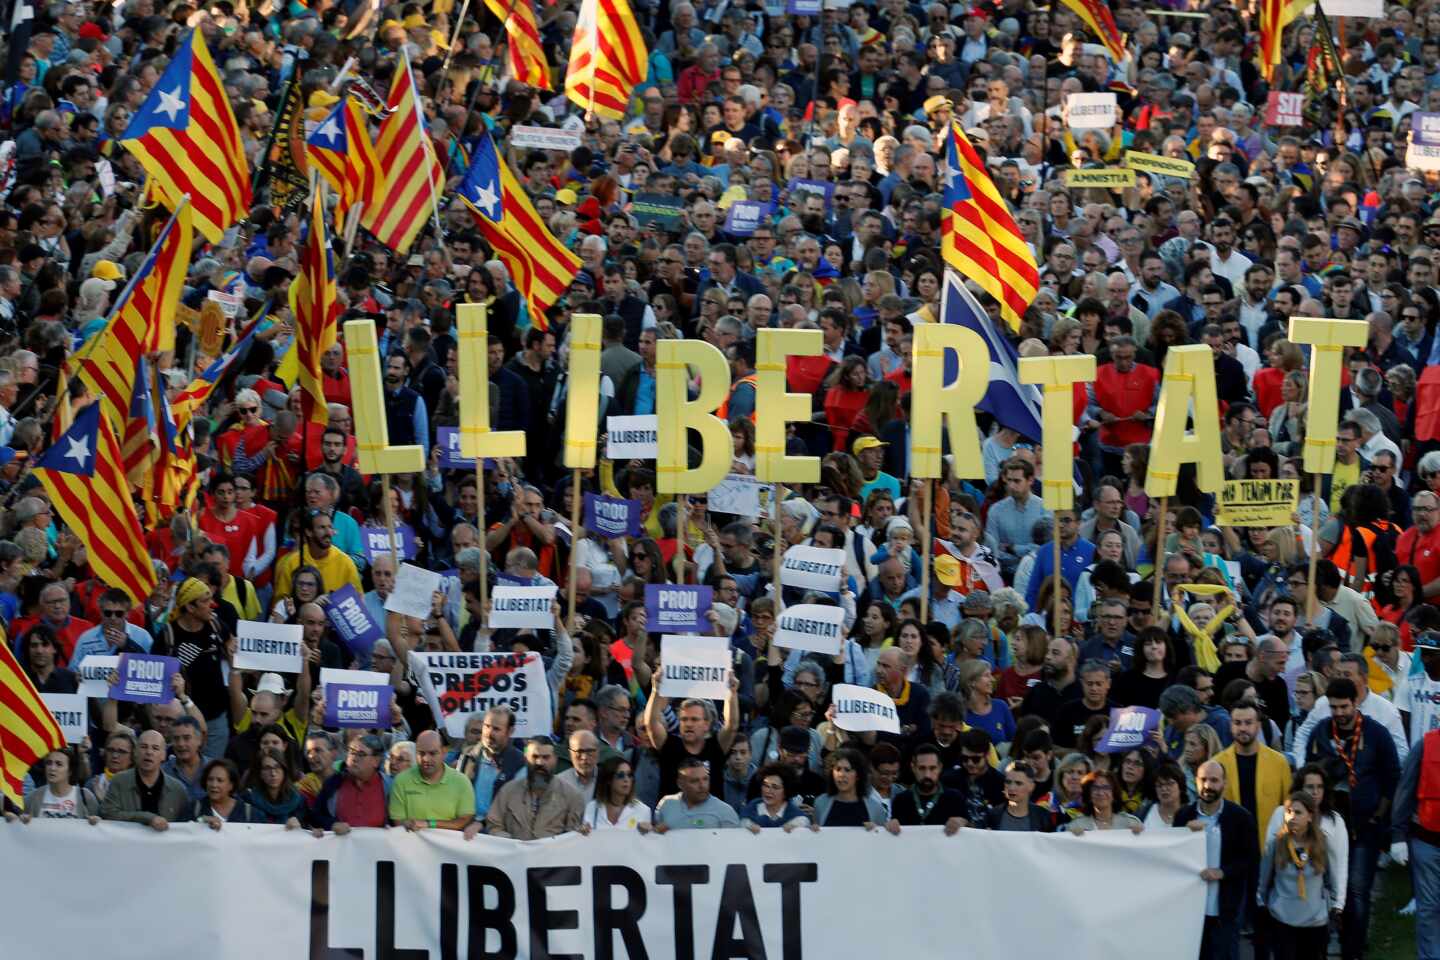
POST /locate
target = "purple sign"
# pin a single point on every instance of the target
(745, 216)
(799, 188)
(611, 517)
(351, 619)
(357, 705)
(676, 609)
(377, 541)
(1130, 727)
(448, 439)
(145, 678)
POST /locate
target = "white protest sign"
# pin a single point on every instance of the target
(414, 593)
(1090, 111)
(810, 626)
(1422, 156)
(369, 677)
(813, 568)
(740, 494)
(694, 667)
(93, 673)
(230, 303)
(632, 438)
(512, 606)
(861, 710)
(459, 686)
(1354, 8)
(544, 138)
(275, 647)
(71, 712)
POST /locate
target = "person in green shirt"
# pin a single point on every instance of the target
(431, 794)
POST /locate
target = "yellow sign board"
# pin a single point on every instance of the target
(1258, 503)
(1165, 166)
(1108, 177)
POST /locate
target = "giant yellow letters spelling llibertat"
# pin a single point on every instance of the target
(776, 407)
(675, 413)
(1057, 376)
(1189, 375)
(582, 397)
(372, 442)
(934, 406)
(1328, 340)
(476, 438)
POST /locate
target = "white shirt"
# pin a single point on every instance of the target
(598, 818)
(1377, 708)
(1378, 443)
(1232, 269)
(1419, 696)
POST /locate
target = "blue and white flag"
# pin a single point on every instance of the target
(1013, 404)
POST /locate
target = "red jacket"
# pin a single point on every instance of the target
(1125, 394)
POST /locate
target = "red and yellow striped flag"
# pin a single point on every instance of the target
(527, 56)
(186, 138)
(979, 237)
(1096, 15)
(363, 176)
(317, 314)
(413, 176)
(82, 474)
(28, 730)
(607, 58)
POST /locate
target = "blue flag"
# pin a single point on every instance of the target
(1013, 404)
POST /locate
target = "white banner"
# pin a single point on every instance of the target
(811, 626)
(372, 678)
(259, 891)
(860, 709)
(269, 646)
(694, 667)
(1090, 111)
(632, 438)
(544, 138)
(93, 671)
(1353, 8)
(463, 685)
(512, 606)
(813, 568)
(71, 711)
(414, 591)
(741, 495)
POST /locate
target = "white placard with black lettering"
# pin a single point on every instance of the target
(816, 627)
(694, 667)
(414, 592)
(1353, 8)
(338, 675)
(813, 568)
(1090, 111)
(522, 607)
(94, 672)
(861, 710)
(269, 647)
(71, 712)
(632, 438)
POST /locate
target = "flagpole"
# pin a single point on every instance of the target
(779, 545)
(682, 522)
(1159, 557)
(575, 501)
(429, 150)
(927, 547)
(480, 522)
(352, 226)
(454, 38)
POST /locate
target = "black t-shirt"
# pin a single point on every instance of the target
(912, 811)
(674, 751)
(1245, 766)
(150, 796)
(1137, 690)
(847, 813)
(1274, 695)
(1044, 701)
(1071, 720)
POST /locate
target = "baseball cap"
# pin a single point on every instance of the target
(1429, 640)
(866, 443)
(107, 270)
(566, 196)
(947, 570)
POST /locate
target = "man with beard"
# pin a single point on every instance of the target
(980, 785)
(1256, 777)
(332, 462)
(927, 803)
(406, 419)
(536, 807)
(1230, 856)
(1059, 685)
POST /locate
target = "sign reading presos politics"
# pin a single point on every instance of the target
(694, 667)
(632, 438)
(1285, 109)
(1130, 727)
(611, 517)
(817, 627)
(269, 647)
(94, 675)
(351, 618)
(676, 608)
(145, 678)
(71, 711)
(1424, 151)
(414, 592)
(544, 138)
(1090, 111)
(813, 568)
(520, 607)
(744, 216)
(377, 541)
(861, 710)
(459, 686)
(358, 705)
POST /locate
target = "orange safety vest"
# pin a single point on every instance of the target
(1343, 558)
(724, 412)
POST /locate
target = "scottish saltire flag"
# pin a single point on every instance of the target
(1014, 404)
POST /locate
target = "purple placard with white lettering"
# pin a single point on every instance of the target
(611, 517)
(448, 439)
(744, 216)
(357, 705)
(676, 609)
(377, 541)
(351, 619)
(1130, 727)
(145, 678)
(797, 188)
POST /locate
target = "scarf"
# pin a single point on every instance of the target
(1203, 641)
(1299, 856)
(1357, 743)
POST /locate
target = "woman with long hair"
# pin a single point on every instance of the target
(1168, 785)
(848, 800)
(1132, 781)
(882, 406)
(272, 793)
(846, 395)
(1401, 590)
(62, 796)
(1151, 670)
(615, 806)
(983, 710)
(1296, 884)
(1070, 774)
(1201, 743)
(306, 586)
(876, 630)
(1287, 419)
(1313, 781)
(1281, 357)
(221, 803)
(1030, 645)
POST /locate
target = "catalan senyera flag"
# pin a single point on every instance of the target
(414, 177)
(186, 138)
(83, 475)
(142, 321)
(325, 148)
(317, 315)
(527, 56)
(1096, 15)
(979, 237)
(28, 730)
(607, 58)
(540, 266)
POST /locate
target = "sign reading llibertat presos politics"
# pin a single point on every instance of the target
(254, 890)
(816, 627)
(459, 686)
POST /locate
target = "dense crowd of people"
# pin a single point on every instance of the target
(1301, 739)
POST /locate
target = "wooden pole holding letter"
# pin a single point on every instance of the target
(1310, 601)
(575, 501)
(682, 530)
(1159, 558)
(927, 547)
(390, 522)
(779, 545)
(1055, 596)
(480, 522)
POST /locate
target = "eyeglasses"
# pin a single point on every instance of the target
(362, 754)
(249, 409)
(118, 751)
(114, 614)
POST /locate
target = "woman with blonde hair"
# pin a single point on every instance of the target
(1201, 744)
